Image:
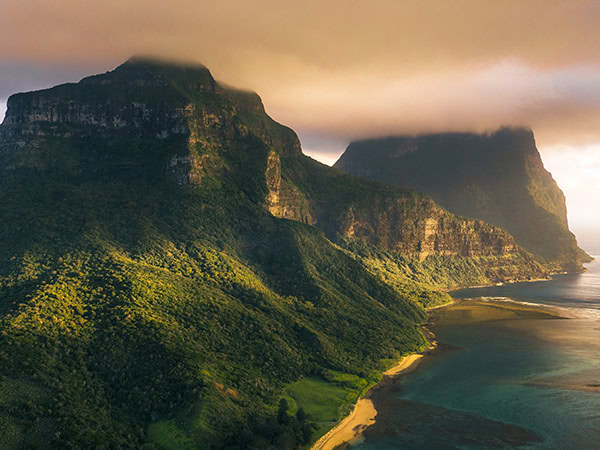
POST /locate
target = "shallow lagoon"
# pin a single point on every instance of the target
(509, 381)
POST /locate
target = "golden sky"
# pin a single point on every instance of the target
(341, 70)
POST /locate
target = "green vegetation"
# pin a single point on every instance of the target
(329, 398)
(322, 401)
(138, 311)
(404, 238)
(149, 298)
(167, 435)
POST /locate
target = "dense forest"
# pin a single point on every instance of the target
(174, 273)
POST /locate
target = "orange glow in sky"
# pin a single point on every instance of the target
(337, 70)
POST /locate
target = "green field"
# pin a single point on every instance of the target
(330, 398)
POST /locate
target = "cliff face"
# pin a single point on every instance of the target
(399, 221)
(173, 115)
(353, 211)
(498, 178)
(169, 260)
(176, 123)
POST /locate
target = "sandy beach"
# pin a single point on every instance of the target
(364, 412)
(362, 416)
(407, 364)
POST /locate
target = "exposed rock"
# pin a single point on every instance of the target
(173, 121)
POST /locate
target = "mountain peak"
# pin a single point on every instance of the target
(143, 99)
(158, 63)
(497, 177)
(158, 251)
(144, 70)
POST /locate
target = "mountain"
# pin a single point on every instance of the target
(497, 177)
(173, 268)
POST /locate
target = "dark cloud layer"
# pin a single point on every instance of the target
(343, 68)
(25, 76)
(339, 70)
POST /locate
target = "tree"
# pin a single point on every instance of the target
(301, 415)
(282, 416)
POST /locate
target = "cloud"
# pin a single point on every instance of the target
(560, 104)
(336, 70)
(345, 68)
(577, 172)
(26, 76)
(273, 46)
(331, 34)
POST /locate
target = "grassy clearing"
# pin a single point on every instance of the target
(324, 401)
(166, 435)
(327, 400)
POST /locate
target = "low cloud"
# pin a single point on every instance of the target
(561, 105)
(577, 172)
(2, 109)
(337, 70)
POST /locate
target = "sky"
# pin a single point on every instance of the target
(336, 71)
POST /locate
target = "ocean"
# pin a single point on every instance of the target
(507, 382)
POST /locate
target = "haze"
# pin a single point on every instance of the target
(338, 70)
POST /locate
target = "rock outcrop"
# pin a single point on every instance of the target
(179, 107)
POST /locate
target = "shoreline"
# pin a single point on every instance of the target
(550, 276)
(363, 415)
(503, 283)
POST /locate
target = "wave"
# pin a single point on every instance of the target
(512, 300)
(575, 310)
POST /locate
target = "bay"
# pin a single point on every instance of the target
(511, 381)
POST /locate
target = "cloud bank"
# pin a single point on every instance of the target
(337, 70)
(346, 69)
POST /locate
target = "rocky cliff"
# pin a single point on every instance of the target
(178, 112)
(498, 178)
(175, 122)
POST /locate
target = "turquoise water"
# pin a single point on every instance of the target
(530, 383)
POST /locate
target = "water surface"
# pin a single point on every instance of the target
(511, 382)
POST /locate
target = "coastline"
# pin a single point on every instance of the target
(503, 283)
(363, 415)
(352, 428)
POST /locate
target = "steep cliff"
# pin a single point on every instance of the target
(175, 123)
(152, 285)
(498, 178)
(143, 117)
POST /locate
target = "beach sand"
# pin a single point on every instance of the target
(364, 412)
(407, 364)
(362, 416)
